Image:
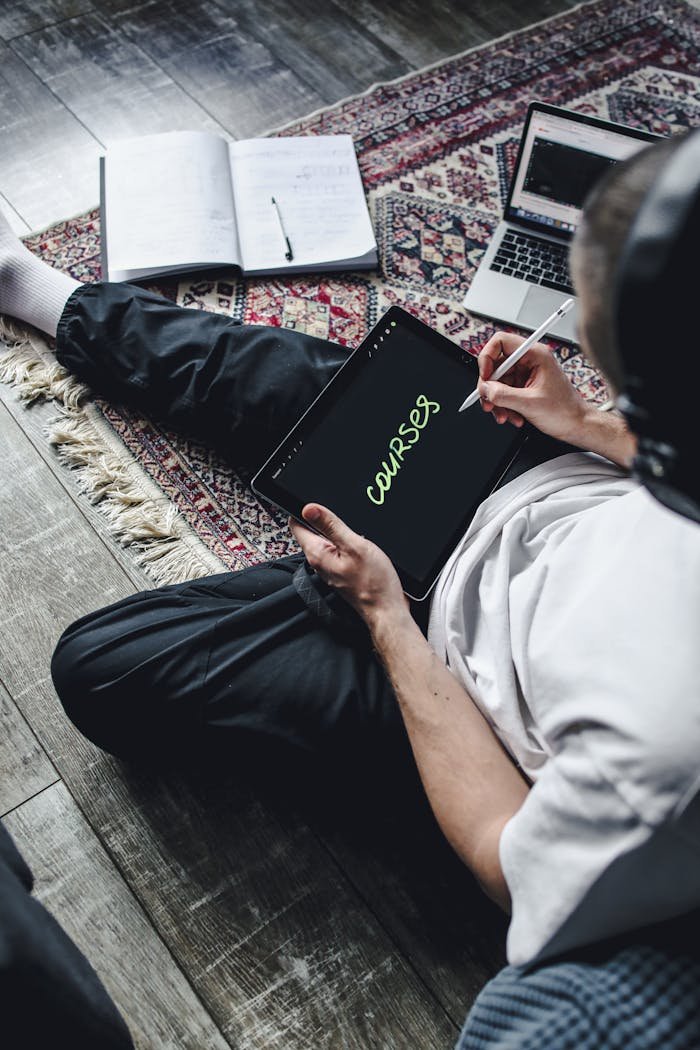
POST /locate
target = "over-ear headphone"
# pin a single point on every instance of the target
(657, 305)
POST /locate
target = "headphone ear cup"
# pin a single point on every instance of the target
(656, 305)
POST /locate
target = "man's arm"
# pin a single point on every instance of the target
(472, 785)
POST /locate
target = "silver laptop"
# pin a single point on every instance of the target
(524, 275)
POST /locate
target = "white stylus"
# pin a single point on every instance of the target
(522, 350)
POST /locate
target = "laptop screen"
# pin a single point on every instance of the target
(562, 155)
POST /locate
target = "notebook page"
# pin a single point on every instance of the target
(169, 203)
(316, 183)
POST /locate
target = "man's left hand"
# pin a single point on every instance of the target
(352, 565)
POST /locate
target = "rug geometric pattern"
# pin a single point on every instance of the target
(435, 150)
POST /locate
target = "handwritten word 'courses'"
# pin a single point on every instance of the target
(408, 435)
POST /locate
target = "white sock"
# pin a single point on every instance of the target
(30, 290)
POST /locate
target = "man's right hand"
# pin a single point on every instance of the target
(538, 390)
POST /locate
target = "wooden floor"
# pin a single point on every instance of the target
(219, 910)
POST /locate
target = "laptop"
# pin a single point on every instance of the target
(524, 275)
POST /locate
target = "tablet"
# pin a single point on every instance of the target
(385, 447)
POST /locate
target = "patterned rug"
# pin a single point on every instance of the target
(436, 150)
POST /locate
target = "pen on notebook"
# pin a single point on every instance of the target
(522, 350)
(288, 253)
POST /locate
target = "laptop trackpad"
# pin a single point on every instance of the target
(539, 303)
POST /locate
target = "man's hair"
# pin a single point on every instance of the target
(608, 214)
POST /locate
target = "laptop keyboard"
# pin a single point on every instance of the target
(535, 260)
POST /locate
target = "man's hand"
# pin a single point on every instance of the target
(536, 389)
(354, 566)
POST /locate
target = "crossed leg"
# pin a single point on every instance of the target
(178, 666)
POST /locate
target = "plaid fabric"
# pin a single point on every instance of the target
(641, 998)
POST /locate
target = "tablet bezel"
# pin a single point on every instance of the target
(265, 486)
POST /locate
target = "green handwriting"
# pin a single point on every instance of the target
(408, 434)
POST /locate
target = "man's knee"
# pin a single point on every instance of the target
(79, 678)
(130, 676)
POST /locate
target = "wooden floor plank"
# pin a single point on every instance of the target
(15, 220)
(279, 947)
(107, 924)
(24, 16)
(332, 51)
(228, 72)
(108, 82)
(25, 768)
(424, 896)
(424, 33)
(48, 161)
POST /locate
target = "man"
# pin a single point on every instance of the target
(550, 709)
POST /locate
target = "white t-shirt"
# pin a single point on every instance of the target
(571, 614)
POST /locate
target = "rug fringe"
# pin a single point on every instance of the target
(149, 526)
(28, 365)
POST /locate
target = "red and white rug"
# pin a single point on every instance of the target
(435, 149)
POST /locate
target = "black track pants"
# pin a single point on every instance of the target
(268, 649)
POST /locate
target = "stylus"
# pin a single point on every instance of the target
(522, 350)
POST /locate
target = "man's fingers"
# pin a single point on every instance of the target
(500, 346)
(317, 550)
(490, 355)
(329, 525)
(303, 535)
(503, 396)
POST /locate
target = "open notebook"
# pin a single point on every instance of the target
(189, 200)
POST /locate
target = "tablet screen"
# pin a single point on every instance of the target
(385, 447)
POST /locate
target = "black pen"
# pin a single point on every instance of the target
(289, 254)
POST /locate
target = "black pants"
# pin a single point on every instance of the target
(268, 650)
(49, 994)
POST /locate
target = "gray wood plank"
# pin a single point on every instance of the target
(108, 925)
(424, 33)
(108, 82)
(230, 74)
(25, 768)
(331, 50)
(23, 16)
(422, 893)
(421, 32)
(507, 16)
(15, 220)
(48, 161)
(279, 947)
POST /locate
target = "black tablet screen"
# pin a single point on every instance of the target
(392, 455)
